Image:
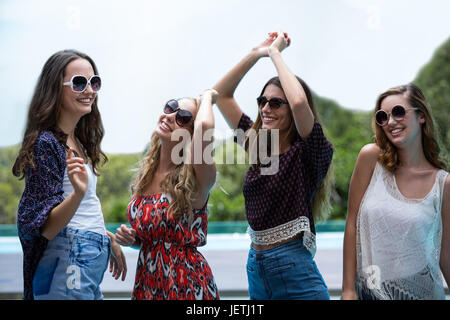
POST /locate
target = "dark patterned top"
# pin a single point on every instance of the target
(272, 200)
(169, 265)
(43, 191)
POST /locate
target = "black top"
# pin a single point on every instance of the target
(272, 200)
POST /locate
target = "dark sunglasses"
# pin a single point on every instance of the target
(183, 117)
(79, 83)
(398, 112)
(274, 103)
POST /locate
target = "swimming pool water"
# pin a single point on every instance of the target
(217, 242)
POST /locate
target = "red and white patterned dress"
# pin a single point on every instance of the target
(169, 265)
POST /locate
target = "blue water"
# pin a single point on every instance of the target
(217, 242)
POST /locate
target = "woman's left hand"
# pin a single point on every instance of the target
(117, 263)
(281, 42)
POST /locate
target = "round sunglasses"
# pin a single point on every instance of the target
(183, 117)
(398, 112)
(79, 83)
(274, 103)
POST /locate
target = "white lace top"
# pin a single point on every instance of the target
(398, 241)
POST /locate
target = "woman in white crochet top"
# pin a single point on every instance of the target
(397, 235)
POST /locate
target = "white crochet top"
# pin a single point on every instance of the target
(398, 241)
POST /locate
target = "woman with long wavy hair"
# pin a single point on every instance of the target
(397, 235)
(282, 201)
(65, 244)
(168, 209)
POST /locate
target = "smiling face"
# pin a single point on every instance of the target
(272, 118)
(167, 122)
(78, 104)
(403, 132)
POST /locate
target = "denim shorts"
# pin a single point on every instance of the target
(285, 272)
(72, 266)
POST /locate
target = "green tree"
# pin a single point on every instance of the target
(113, 185)
(347, 130)
(434, 80)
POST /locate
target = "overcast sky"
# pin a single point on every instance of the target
(150, 51)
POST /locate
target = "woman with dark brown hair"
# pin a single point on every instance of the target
(397, 235)
(281, 205)
(66, 247)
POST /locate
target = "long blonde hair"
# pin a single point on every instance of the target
(321, 203)
(388, 154)
(180, 183)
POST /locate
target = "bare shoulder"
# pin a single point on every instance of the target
(366, 162)
(370, 150)
(369, 154)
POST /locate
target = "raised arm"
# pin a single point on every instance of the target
(61, 215)
(228, 84)
(202, 143)
(445, 246)
(293, 90)
(359, 182)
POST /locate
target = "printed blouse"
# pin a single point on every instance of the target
(43, 191)
(279, 206)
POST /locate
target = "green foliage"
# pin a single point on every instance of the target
(226, 201)
(434, 80)
(346, 129)
(113, 185)
(11, 188)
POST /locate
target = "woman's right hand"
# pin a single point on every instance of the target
(262, 50)
(125, 236)
(281, 41)
(77, 173)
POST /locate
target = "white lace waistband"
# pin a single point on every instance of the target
(284, 232)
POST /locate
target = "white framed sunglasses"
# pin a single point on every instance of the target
(398, 112)
(79, 83)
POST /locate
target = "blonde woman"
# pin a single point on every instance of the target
(281, 207)
(397, 235)
(168, 209)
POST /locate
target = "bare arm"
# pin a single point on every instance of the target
(202, 138)
(295, 95)
(61, 215)
(359, 182)
(226, 87)
(445, 246)
(228, 84)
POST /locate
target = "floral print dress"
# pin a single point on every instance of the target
(169, 265)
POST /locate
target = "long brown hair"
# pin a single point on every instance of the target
(179, 183)
(321, 205)
(388, 155)
(45, 108)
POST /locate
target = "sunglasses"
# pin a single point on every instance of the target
(398, 113)
(274, 103)
(183, 117)
(79, 83)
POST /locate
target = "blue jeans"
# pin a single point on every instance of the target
(72, 266)
(285, 272)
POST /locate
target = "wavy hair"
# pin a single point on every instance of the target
(321, 204)
(388, 155)
(180, 183)
(44, 111)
